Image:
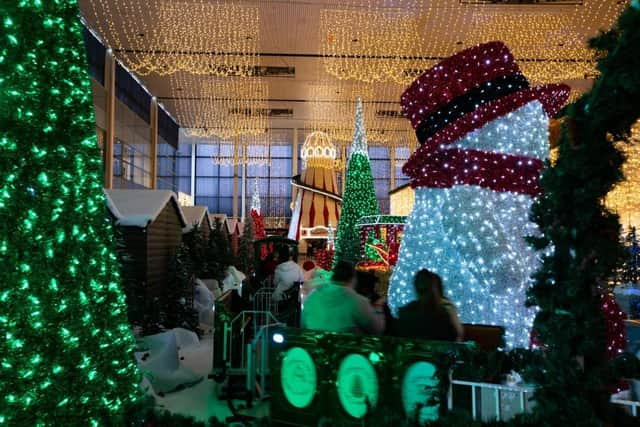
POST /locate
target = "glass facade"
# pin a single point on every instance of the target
(214, 177)
(402, 154)
(274, 178)
(174, 168)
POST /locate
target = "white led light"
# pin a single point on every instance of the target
(473, 237)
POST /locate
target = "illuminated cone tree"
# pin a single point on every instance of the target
(66, 351)
(256, 214)
(359, 198)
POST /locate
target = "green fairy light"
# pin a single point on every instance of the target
(359, 198)
(61, 293)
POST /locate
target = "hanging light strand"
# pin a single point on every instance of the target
(164, 37)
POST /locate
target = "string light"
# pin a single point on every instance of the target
(333, 102)
(318, 151)
(223, 107)
(385, 31)
(164, 37)
(475, 185)
(394, 41)
(625, 197)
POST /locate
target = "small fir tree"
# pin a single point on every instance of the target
(359, 198)
(244, 261)
(218, 253)
(66, 354)
(179, 311)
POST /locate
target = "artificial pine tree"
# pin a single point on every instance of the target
(584, 234)
(359, 198)
(196, 245)
(256, 214)
(217, 253)
(244, 261)
(66, 354)
(179, 311)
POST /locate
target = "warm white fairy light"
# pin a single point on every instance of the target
(164, 37)
(220, 106)
(549, 41)
(474, 237)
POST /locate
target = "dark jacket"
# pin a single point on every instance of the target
(414, 322)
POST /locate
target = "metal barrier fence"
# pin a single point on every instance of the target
(263, 302)
(482, 409)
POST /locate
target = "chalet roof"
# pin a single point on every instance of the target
(139, 208)
(195, 216)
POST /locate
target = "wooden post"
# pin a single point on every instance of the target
(235, 175)
(244, 182)
(392, 159)
(110, 110)
(153, 140)
(344, 166)
(294, 165)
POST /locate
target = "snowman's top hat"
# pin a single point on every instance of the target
(466, 91)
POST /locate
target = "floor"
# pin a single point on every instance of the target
(199, 401)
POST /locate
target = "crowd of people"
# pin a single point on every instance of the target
(346, 300)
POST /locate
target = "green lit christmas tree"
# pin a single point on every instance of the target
(359, 198)
(66, 354)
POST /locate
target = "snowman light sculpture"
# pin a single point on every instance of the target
(484, 139)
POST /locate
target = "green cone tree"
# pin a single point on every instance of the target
(66, 353)
(573, 377)
(244, 260)
(359, 198)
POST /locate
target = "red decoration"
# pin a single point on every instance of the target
(616, 331)
(393, 231)
(258, 224)
(324, 259)
(496, 171)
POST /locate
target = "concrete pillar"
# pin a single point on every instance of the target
(110, 115)
(153, 142)
(392, 159)
(244, 182)
(235, 175)
(294, 164)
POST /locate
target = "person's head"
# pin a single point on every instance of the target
(428, 285)
(343, 273)
(365, 283)
(283, 254)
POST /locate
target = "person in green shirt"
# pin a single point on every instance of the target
(337, 307)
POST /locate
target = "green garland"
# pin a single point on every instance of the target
(574, 374)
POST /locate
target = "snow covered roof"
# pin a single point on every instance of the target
(139, 208)
(235, 226)
(195, 216)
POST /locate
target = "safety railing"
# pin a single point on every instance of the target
(258, 361)
(623, 399)
(479, 391)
